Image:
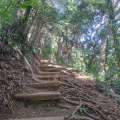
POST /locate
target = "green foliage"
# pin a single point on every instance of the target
(31, 3)
(47, 49)
(116, 85)
(77, 63)
(95, 1)
(75, 20)
(82, 110)
(6, 11)
(71, 6)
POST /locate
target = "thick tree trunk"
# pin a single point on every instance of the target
(103, 36)
(116, 10)
(19, 26)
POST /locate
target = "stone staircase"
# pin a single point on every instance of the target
(46, 90)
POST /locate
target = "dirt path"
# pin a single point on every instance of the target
(43, 109)
(77, 94)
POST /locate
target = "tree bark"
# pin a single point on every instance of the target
(102, 54)
(59, 43)
(112, 21)
(67, 56)
(103, 35)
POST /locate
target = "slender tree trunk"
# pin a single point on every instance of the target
(59, 43)
(67, 57)
(66, 47)
(102, 55)
(40, 45)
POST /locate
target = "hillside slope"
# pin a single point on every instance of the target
(77, 95)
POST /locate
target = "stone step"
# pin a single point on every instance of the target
(43, 66)
(49, 77)
(45, 84)
(51, 69)
(49, 73)
(42, 96)
(43, 118)
(52, 66)
(45, 62)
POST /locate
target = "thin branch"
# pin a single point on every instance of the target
(7, 7)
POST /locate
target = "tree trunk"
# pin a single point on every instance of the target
(19, 27)
(59, 43)
(41, 41)
(111, 12)
(103, 36)
(102, 54)
(67, 55)
(34, 35)
(116, 4)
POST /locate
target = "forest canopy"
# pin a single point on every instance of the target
(84, 34)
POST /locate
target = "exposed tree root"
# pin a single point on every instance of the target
(88, 100)
(78, 92)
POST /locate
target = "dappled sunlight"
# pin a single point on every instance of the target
(48, 49)
(83, 77)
